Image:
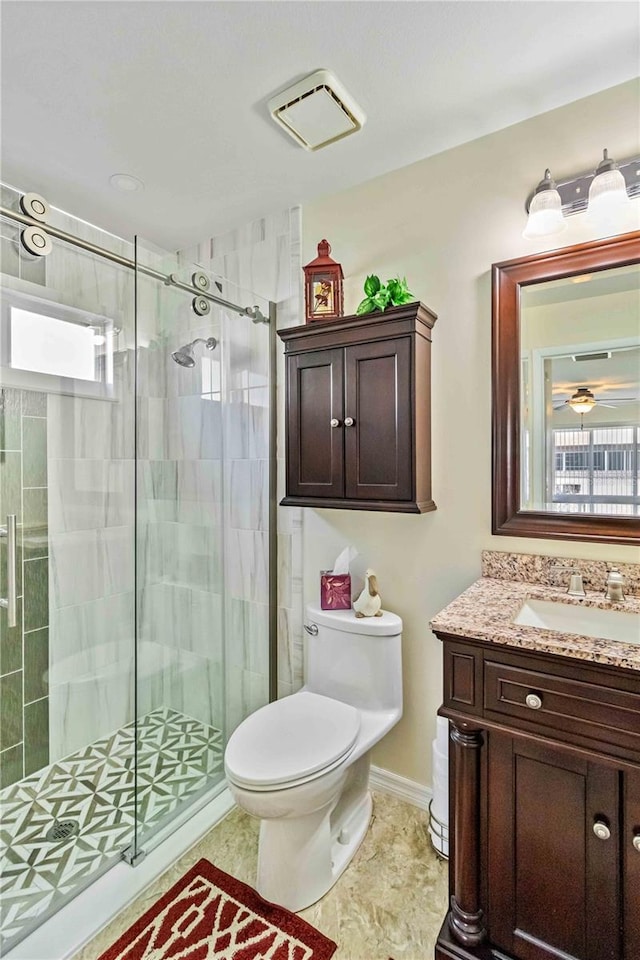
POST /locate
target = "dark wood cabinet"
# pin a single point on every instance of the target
(358, 412)
(545, 806)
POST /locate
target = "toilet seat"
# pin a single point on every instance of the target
(291, 741)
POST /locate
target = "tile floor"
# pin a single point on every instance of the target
(390, 902)
(95, 788)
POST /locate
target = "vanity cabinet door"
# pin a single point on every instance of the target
(553, 880)
(631, 864)
(378, 427)
(315, 436)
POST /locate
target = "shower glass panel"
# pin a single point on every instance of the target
(202, 537)
(67, 448)
(137, 472)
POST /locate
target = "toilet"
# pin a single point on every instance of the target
(301, 764)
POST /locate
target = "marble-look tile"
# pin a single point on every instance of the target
(245, 693)
(247, 494)
(284, 569)
(85, 637)
(81, 428)
(194, 429)
(390, 902)
(246, 565)
(247, 635)
(90, 707)
(76, 566)
(90, 494)
(180, 617)
(181, 680)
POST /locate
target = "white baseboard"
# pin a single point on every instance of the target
(408, 790)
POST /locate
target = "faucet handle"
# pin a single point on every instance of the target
(615, 585)
(576, 586)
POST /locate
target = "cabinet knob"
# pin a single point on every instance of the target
(349, 421)
(601, 830)
(533, 701)
(335, 423)
(636, 842)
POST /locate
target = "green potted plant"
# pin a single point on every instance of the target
(380, 296)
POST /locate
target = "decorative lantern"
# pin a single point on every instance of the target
(323, 295)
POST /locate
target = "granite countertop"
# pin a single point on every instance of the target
(487, 609)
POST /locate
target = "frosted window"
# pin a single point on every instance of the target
(46, 345)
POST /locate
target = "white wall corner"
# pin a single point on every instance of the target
(401, 787)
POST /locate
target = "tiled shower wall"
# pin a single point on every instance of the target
(263, 256)
(24, 649)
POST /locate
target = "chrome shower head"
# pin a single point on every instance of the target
(184, 355)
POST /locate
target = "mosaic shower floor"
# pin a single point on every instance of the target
(178, 757)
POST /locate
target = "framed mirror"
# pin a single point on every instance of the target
(566, 393)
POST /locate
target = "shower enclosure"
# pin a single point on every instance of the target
(137, 553)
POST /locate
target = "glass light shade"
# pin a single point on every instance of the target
(545, 216)
(582, 404)
(608, 197)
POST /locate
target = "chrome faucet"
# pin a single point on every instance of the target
(576, 586)
(615, 584)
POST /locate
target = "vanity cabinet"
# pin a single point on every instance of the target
(545, 806)
(358, 412)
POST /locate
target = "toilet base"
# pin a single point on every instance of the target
(300, 859)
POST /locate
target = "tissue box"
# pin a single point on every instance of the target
(335, 590)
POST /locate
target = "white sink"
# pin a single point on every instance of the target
(586, 621)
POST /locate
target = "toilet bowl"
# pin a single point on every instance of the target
(301, 764)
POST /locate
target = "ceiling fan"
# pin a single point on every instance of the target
(583, 401)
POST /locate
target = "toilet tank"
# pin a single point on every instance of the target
(358, 661)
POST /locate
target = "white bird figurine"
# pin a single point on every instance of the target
(368, 603)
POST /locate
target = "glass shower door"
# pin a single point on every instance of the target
(199, 367)
(66, 630)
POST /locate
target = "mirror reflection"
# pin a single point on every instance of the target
(580, 394)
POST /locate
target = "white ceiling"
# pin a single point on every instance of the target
(175, 92)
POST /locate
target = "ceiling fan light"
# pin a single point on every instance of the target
(545, 211)
(582, 404)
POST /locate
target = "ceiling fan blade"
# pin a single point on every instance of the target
(610, 406)
(559, 406)
(620, 400)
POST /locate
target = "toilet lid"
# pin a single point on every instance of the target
(291, 739)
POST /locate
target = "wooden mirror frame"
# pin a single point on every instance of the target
(507, 280)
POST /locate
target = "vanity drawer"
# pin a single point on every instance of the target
(573, 706)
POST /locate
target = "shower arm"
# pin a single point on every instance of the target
(169, 279)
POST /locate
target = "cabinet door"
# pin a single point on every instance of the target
(554, 890)
(631, 865)
(378, 449)
(315, 448)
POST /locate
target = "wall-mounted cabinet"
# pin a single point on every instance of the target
(358, 412)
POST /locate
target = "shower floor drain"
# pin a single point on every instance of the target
(62, 830)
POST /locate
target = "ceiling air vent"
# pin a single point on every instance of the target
(317, 111)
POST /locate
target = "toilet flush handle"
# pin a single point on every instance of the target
(312, 629)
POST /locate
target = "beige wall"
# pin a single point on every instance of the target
(443, 222)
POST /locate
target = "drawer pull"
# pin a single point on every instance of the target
(636, 842)
(533, 701)
(601, 830)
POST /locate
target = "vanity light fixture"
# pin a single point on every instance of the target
(604, 193)
(545, 210)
